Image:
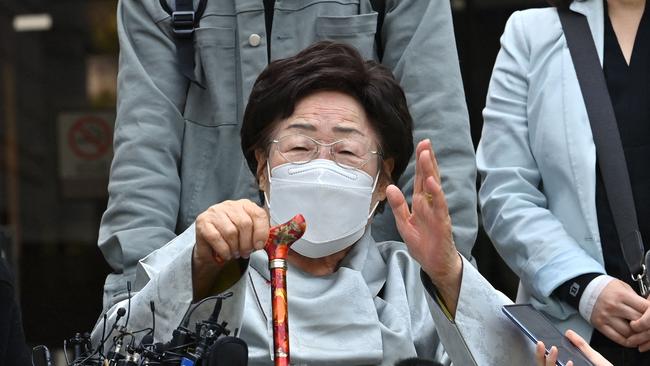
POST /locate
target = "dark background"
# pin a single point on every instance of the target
(48, 235)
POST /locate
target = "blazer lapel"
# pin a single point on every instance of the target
(594, 11)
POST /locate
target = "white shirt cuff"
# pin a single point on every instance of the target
(590, 295)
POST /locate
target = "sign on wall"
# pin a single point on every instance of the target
(85, 151)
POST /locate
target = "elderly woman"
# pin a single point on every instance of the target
(326, 133)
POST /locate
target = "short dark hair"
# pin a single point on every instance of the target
(329, 66)
(563, 4)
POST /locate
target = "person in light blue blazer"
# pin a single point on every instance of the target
(541, 196)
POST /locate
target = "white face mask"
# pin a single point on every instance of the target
(335, 202)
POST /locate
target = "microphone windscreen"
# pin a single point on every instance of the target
(228, 351)
(121, 312)
(148, 339)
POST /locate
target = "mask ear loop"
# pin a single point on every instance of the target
(374, 186)
(266, 198)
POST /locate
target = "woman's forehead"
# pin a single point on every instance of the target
(332, 113)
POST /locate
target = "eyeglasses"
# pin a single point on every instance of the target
(301, 149)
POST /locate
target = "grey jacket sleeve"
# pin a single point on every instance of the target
(479, 334)
(144, 187)
(420, 49)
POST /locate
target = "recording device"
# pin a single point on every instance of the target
(209, 344)
(538, 328)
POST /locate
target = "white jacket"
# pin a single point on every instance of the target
(538, 161)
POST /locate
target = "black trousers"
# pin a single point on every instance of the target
(617, 354)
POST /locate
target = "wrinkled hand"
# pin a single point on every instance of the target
(225, 232)
(616, 306)
(549, 360)
(426, 228)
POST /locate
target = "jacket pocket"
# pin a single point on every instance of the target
(213, 101)
(356, 30)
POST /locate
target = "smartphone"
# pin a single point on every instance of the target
(538, 328)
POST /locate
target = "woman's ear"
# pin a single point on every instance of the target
(384, 178)
(261, 176)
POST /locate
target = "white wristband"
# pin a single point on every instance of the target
(590, 295)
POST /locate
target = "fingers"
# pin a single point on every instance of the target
(434, 162)
(540, 354)
(551, 358)
(645, 346)
(438, 199)
(398, 204)
(208, 235)
(613, 334)
(261, 225)
(642, 322)
(640, 340)
(635, 301)
(418, 179)
(232, 229)
(593, 356)
(578, 341)
(615, 307)
(426, 165)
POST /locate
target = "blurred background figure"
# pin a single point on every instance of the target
(12, 340)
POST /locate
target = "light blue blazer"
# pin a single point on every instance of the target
(537, 160)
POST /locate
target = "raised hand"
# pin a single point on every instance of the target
(426, 227)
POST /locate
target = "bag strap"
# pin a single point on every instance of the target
(380, 7)
(184, 21)
(607, 139)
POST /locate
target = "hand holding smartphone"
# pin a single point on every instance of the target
(538, 328)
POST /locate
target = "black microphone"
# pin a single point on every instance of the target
(148, 338)
(101, 348)
(128, 315)
(120, 314)
(215, 312)
(153, 320)
(228, 351)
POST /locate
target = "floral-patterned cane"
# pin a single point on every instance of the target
(277, 247)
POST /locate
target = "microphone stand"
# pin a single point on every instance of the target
(277, 247)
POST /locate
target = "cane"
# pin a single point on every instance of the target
(277, 247)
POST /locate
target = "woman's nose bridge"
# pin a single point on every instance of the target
(325, 152)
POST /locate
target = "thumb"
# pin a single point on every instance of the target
(398, 204)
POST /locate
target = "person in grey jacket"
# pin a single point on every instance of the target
(177, 141)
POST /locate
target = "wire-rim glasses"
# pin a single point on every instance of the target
(347, 152)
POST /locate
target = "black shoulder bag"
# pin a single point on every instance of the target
(607, 139)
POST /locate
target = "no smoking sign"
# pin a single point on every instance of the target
(89, 137)
(85, 145)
